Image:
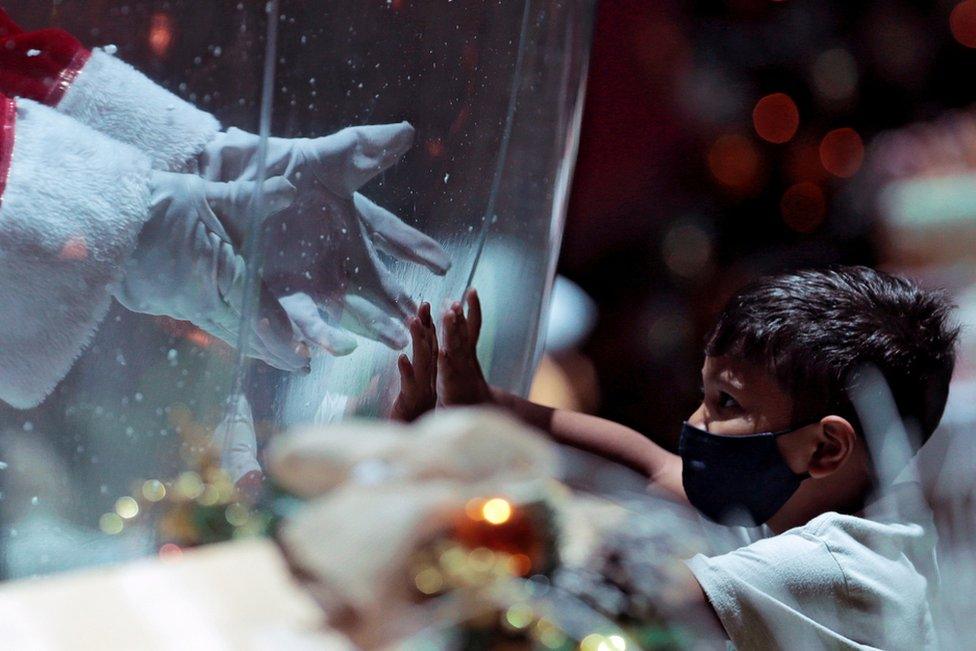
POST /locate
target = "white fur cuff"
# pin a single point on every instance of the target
(111, 96)
(73, 207)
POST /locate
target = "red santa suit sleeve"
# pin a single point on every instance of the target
(72, 203)
(52, 67)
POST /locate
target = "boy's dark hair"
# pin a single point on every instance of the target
(814, 330)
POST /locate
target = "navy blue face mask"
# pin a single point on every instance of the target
(736, 480)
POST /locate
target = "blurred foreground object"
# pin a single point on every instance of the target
(457, 527)
(453, 531)
(228, 596)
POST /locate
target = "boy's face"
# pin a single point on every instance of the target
(740, 398)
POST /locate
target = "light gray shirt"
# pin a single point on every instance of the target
(838, 582)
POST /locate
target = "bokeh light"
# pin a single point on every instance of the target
(111, 524)
(735, 162)
(835, 75)
(548, 634)
(75, 248)
(171, 552)
(154, 490)
(161, 34)
(687, 249)
(189, 485)
(962, 22)
(519, 616)
(429, 581)
(804, 207)
(126, 507)
(776, 118)
(237, 514)
(597, 642)
(496, 511)
(842, 152)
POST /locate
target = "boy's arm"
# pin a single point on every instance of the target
(602, 437)
(461, 382)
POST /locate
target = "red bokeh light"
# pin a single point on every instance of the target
(962, 22)
(435, 147)
(75, 248)
(804, 207)
(170, 552)
(842, 152)
(735, 162)
(161, 34)
(776, 118)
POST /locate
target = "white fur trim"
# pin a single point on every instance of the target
(72, 210)
(111, 96)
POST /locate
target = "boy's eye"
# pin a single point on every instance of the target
(725, 401)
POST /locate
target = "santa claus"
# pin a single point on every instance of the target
(111, 186)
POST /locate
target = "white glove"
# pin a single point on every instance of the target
(235, 442)
(323, 249)
(185, 265)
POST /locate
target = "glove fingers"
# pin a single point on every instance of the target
(364, 318)
(271, 333)
(274, 328)
(230, 274)
(347, 160)
(385, 291)
(398, 239)
(305, 314)
(372, 280)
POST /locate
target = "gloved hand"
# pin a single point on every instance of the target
(322, 252)
(234, 440)
(185, 265)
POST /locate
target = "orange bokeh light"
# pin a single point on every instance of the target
(842, 152)
(804, 207)
(161, 34)
(776, 118)
(435, 147)
(75, 248)
(962, 22)
(735, 162)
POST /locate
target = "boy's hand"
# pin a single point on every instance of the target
(418, 379)
(461, 379)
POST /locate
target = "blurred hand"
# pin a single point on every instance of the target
(325, 247)
(418, 378)
(461, 379)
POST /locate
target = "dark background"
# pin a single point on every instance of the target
(668, 81)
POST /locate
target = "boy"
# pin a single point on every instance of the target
(775, 442)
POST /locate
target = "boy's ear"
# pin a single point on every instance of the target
(835, 445)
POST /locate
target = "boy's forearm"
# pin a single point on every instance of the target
(601, 437)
